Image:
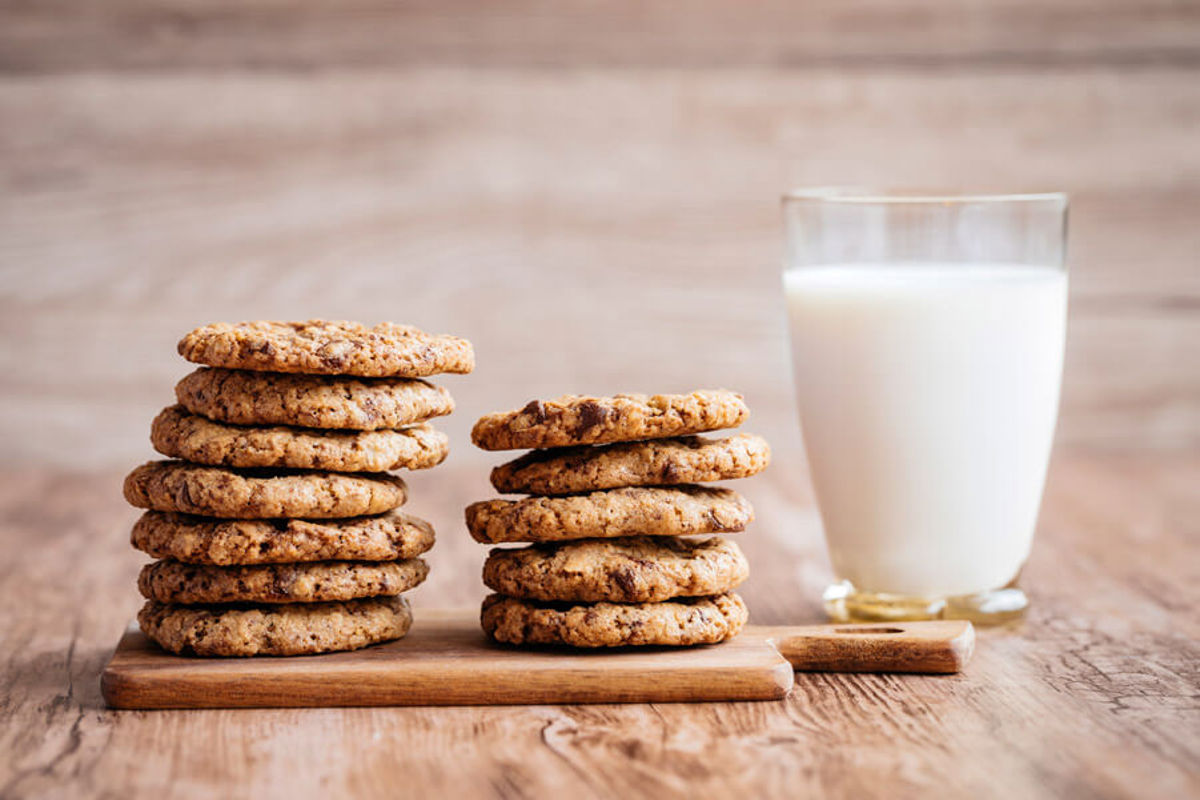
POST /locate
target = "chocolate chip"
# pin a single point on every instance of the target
(625, 579)
(369, 408)
(719, 525)
(335, 354)
(263, 346)
(536, 409)
(591, 415)
(184, 496)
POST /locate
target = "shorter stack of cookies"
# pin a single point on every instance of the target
(612, 508)
(278, 527)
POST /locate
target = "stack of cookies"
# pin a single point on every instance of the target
(612, 485)
(276, 523)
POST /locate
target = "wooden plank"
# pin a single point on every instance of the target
(287, 34)
(633, 214)
(937, 647)
(1092, 696)
(445, 660)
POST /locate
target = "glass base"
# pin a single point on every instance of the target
(846, 604)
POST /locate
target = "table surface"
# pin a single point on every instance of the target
(588, 192)
(1094, 695)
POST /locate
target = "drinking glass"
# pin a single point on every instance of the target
(927, 336)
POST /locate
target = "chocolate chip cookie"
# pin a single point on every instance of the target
(170, 581)
(632, 570)
(656, 462)
(574, 420)
(685, 621)
(649, 511)
(180, 434)
(275, 630)
(323, 347)
(243, 397)
(202, 540)
(260, 494)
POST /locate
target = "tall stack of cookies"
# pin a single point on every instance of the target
(613, 506)
(277, 524)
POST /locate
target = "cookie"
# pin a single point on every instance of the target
(674, 511)
(242, 397)
(323, 347)
(317, 582)
(260, 494)
(202, 540)
(687, 459)
(573, 420)
(687, 621)
(180, 434)
(275, 630)
(633, 570)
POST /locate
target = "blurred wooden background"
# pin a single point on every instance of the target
(587, 191)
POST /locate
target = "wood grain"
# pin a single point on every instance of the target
(445, 660)
(1094, 695)
(938, 647)
(589, 193)
(589, 231)
(533, 34)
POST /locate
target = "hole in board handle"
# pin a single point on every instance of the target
(868, 630)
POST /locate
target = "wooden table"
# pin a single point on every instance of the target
(1095, 695)
(588, 192)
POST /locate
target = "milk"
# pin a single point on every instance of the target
(928, 395)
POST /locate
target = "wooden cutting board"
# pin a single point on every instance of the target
(446, 660)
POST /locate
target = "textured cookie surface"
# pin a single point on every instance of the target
(574, 420)
(324, 347)
(632, 570)
(202, 540)
(243, 397)
(260, 494)
(181, 434)
(648, 511)
(698, 620)
(170, 581)
(687, 459)
(275, 630)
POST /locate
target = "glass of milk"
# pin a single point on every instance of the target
(927, 342)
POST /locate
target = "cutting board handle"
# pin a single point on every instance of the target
(928, 647)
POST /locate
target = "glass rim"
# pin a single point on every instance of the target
(883, 195)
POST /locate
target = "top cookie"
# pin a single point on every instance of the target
(575, 420)
(244, 397)
(322, 347)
